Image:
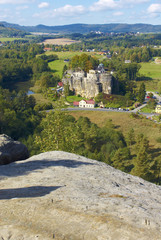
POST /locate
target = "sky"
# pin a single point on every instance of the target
(61, 12)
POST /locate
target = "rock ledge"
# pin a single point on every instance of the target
(59, 195)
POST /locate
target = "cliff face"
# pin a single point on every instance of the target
(58, 195)
(88, 86)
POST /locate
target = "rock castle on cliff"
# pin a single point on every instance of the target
(90, 84)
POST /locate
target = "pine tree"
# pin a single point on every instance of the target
(141, 93)
(130, 137)
(120, 158)
(143, 159)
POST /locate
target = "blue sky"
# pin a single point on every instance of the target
(60, 12)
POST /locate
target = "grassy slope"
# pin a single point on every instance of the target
(10, 39)
(58, 65)
(124, 122)
(152, 71)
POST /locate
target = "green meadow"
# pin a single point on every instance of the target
(151, 75)
(57, 65)
(10, 39)
(64, 55)
(151, 70)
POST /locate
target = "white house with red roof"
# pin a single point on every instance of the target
(87, 104)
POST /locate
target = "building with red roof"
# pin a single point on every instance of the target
(87, 103)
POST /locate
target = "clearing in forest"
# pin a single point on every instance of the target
(60, 41)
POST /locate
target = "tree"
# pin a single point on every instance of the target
(130, 137)
(58, 133)
(66, 89)
(143, 159)
(120, 158)
(141, 93)
(65, 68)
(142, 164)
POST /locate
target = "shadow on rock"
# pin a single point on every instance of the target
(22, 168)
(28, 192)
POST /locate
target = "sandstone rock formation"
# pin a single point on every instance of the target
(88, 86)
(11, 150)
(63, 196)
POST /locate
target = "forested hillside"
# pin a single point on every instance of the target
(22, 118)
(86, 28)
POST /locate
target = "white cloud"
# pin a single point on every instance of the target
(118, 13)
(135, 1)
(22, 7)
(15, 1)
(154, 8)
(102, 5)
(43, 5)
(69, 10)
(66, 11)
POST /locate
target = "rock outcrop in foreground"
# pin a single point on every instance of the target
(63, 196)
(11, 150)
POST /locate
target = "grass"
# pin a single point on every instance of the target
(72, 99)
(10, 39)
(124, 122)
(41, 99)
(57, 66)
(146, 109)
(70, 54)
(150, 85)
(151, 70)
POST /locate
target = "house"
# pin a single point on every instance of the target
(60, 84)
(76, 104)
(158, 108)
(87, 103)
(127, 61)
(47, 49)
(100, 68)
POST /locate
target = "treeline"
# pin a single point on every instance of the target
(60, 131)
(84, 62)
(11, 32)
(20, 63)
(18, 117)
(110, 43)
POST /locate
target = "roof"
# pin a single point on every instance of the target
(60, 84)
(76, 103)
(90, 101)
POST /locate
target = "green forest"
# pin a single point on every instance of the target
(24, 119)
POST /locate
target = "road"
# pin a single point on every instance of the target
(115, 110)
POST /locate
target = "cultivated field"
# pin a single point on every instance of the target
(60, 41)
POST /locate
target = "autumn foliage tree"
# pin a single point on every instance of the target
(84, 62)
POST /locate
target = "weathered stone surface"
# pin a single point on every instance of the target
(63, 196)
(88, 86)
(11, 150)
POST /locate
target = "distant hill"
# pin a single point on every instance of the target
(10, 31)
(86, 28)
